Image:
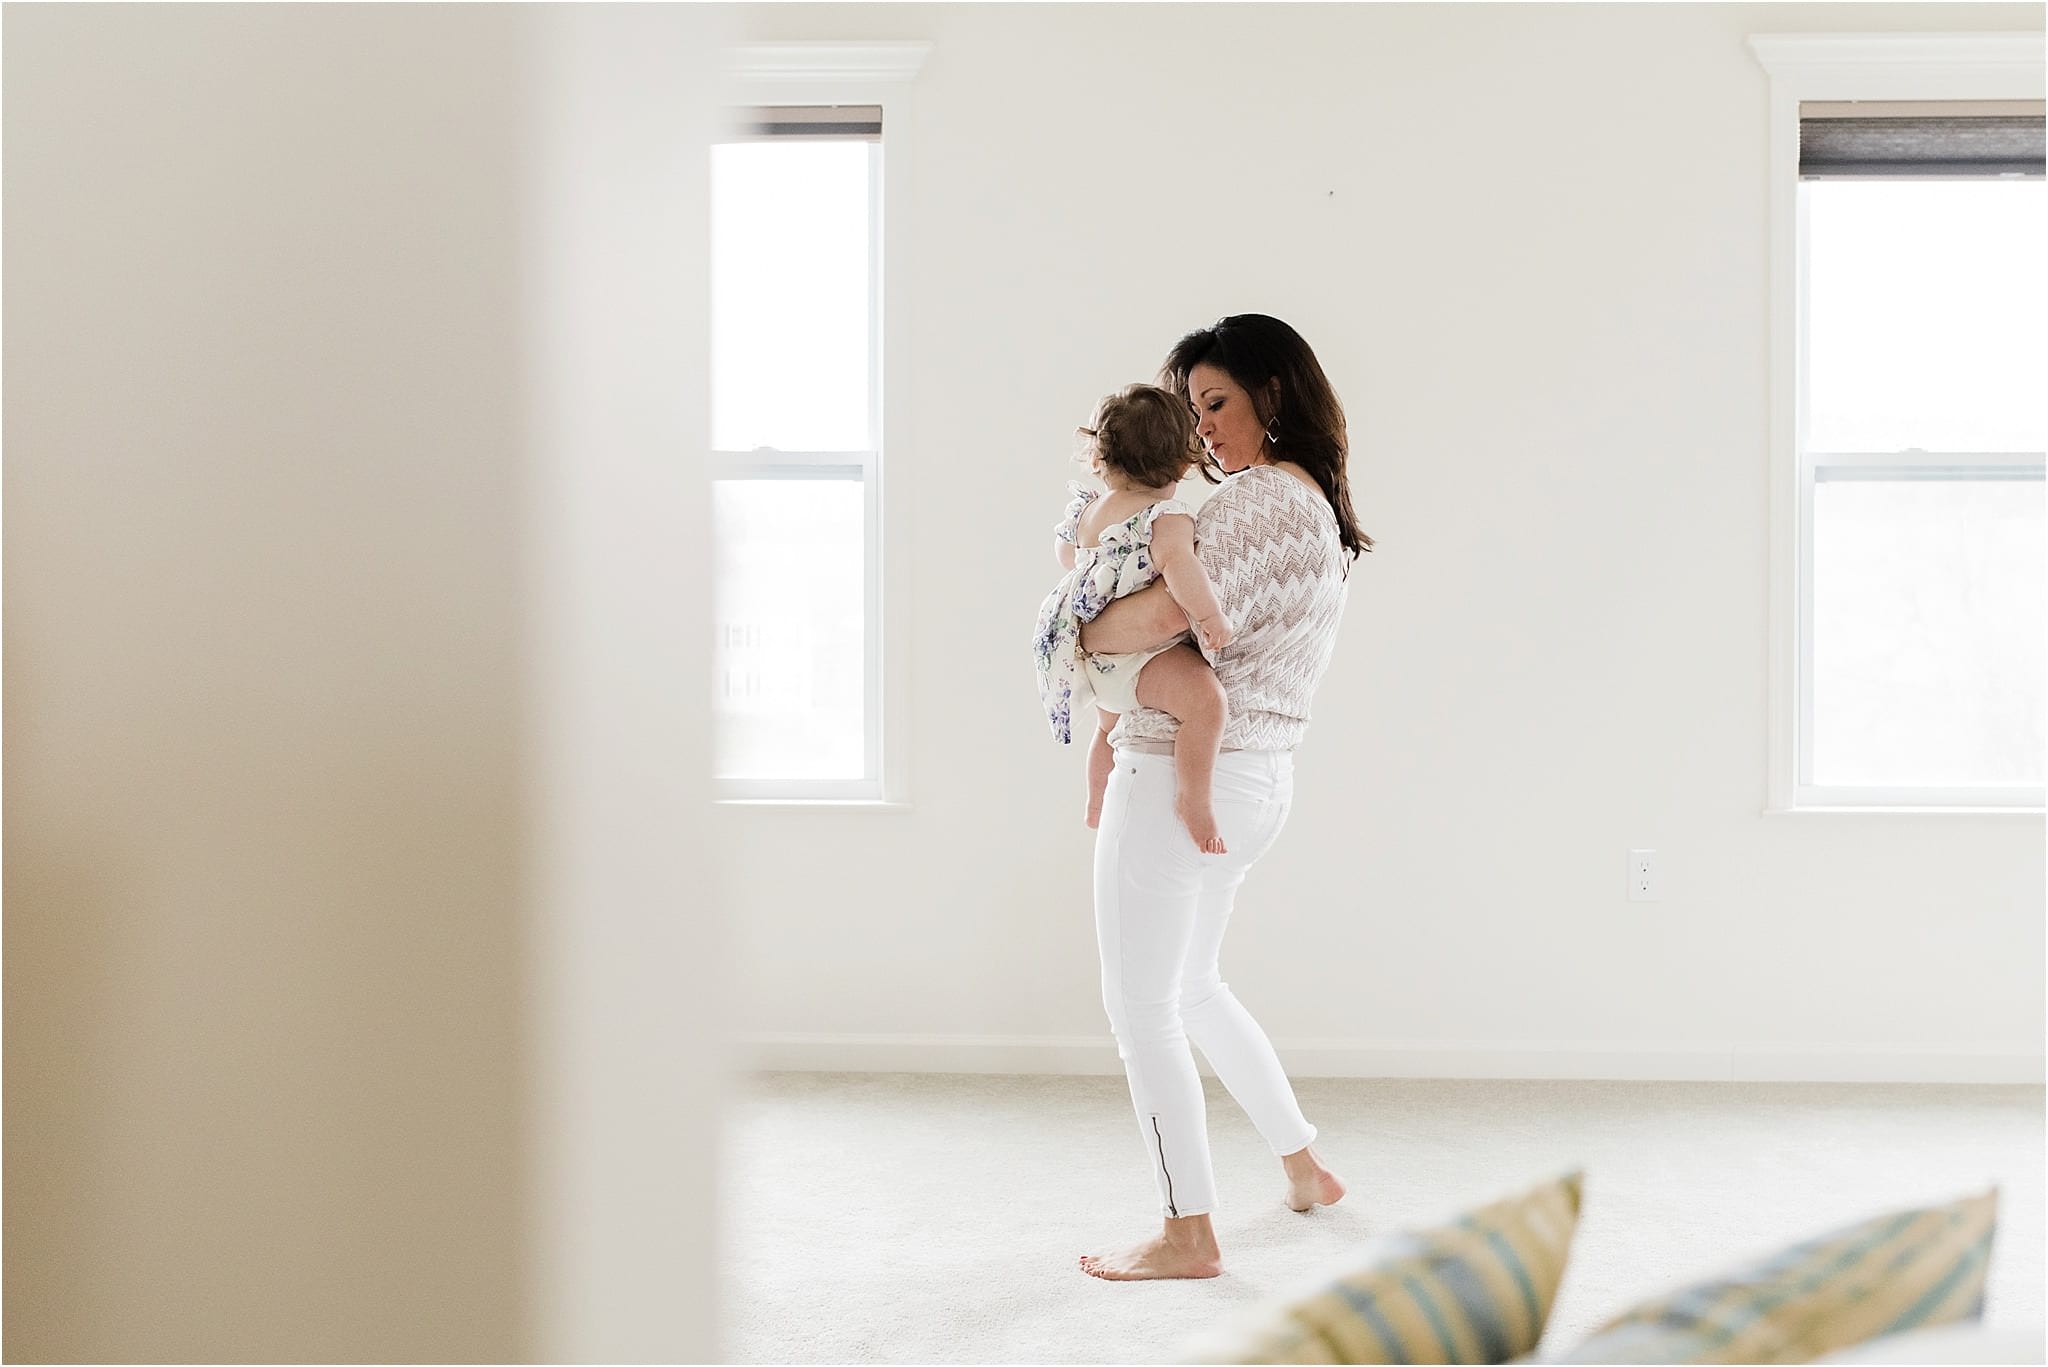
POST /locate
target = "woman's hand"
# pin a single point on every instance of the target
(1138, 621)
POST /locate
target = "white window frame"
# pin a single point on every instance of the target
(1871, 66)
(880, 75)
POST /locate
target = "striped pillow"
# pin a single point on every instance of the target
(1476, 1290)
(1884, 1276)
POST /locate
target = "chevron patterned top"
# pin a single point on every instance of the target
(1270, 543)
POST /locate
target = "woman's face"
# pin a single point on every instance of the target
(1229, 426)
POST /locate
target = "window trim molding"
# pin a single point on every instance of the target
(1846, 66)
(879, 74)
(858, 64)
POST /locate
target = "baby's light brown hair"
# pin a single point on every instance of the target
(1145, 434)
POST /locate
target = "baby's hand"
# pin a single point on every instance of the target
(1216, 632)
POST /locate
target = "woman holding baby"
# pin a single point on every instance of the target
(1276, 541)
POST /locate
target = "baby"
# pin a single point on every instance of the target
(1140, 445)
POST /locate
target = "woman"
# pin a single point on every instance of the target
(1278, 540)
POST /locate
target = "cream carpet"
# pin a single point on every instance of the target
(917, 1218)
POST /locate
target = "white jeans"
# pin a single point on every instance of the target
(1161, 906)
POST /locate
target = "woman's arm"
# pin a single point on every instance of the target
(1138, 621)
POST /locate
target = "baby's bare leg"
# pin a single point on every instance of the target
(1180, 682)
(1101, 759)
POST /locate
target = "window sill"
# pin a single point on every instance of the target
(2034, 812)
(856, 804)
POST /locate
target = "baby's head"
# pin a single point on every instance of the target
(1144, 435)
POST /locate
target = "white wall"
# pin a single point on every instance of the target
(625, 976)
(1530, 246)
(362, 963)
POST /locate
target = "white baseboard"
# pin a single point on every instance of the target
(833, 1053)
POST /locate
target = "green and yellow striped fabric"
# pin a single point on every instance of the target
(1898, 1272)
(1476, 1290)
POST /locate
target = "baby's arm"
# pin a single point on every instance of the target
(1173, 551)
(1067, 536)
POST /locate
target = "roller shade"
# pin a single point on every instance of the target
(1869, 140)
(858, 122)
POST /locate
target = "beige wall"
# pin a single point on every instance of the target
(343, 1020)
(1530, 244)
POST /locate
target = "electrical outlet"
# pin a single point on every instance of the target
(1642, 877)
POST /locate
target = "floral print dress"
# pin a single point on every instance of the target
(1121, 564)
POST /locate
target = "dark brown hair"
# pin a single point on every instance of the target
(1145, 433)
(1303, 420)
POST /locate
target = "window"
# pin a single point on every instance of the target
(1913, 595)
(805, 654)
(793, 403)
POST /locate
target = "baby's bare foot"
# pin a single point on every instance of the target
(1094, 813)
(1200, 820)
(1309, 1183)
(1154, 1259)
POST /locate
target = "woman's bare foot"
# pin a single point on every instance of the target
(1309, 1183)
(1186, 1249)
(1200, 820)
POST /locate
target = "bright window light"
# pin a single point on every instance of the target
(793, 491)
(790, 295)
(1924, 320)
(1923, 423)
(791, 631)
(1930, 618)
